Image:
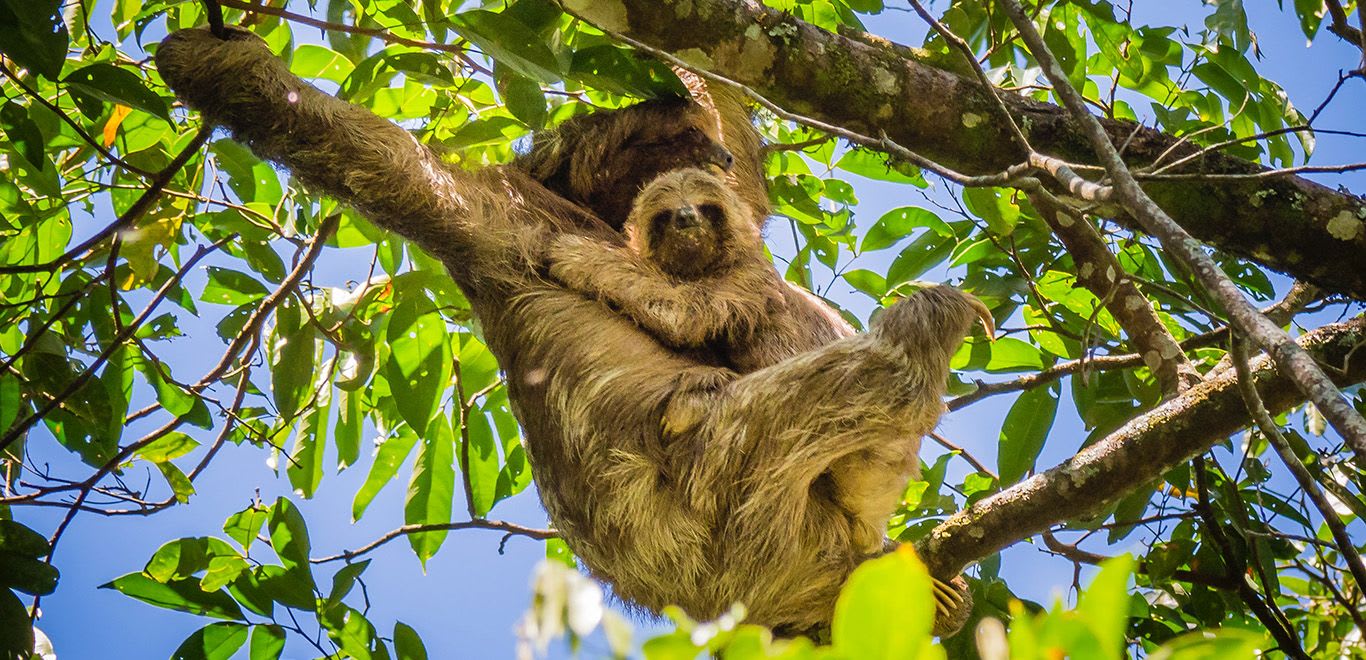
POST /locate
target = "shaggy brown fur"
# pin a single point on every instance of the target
(736, 510)
(603, 160)
(694, 274)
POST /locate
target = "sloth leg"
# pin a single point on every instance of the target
(775, 431)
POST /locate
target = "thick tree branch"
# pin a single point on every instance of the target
(1137, 453)
(1290, 224)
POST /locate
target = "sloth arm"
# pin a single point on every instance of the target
(349, 153)
(682, 314)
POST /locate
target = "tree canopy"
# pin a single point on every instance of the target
(1170, 260)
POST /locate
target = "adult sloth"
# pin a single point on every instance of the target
(736, 510)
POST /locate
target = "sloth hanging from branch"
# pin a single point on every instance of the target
(768, 492)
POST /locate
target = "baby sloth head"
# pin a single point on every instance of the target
(688, 222)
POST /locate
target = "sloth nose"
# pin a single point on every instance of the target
(724, 159)
(686, 218)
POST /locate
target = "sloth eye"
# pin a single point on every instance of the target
(712, 212)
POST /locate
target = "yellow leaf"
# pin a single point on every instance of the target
(111, 127)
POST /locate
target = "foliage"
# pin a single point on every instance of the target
(123, 239)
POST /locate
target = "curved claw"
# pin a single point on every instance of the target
(947, 599)
(984, 314)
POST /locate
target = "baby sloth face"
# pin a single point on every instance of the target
(689, 223)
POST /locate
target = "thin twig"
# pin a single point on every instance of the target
(499, 525)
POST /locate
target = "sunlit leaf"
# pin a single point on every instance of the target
(1025, 429)
(216, 641)
(183, 595)
(431, 489)
(885, 609)
(117, 85)
(267, 642)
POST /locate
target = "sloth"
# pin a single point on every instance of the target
(740, 507)
(694, 274)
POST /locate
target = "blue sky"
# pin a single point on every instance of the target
(467, 603)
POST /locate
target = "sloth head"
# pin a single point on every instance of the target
(689, 222)
(603, 160)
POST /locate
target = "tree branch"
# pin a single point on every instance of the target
(1139, 452)
(1317, 232)
(1155, 220)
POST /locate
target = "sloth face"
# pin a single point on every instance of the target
(689, 223)
(604, 160)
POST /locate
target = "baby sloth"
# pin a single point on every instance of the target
(694, 274)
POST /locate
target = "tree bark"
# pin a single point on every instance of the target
(1287, 223)
(1137, 453)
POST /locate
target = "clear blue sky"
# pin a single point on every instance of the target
(467, 603)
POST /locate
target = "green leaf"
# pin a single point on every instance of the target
(622, 71)
(171, 446)
(352, 632)
(223, 571)
(1104, 606)
(289, 588)
(867, 281)
(879, 167)
(885, 609)
(249, 590)
(483, 457)
(267, 642)
(33, 33)
(995, 206)
(177, 560)
(107, 82)
(1226, 642)
(1025, 429)
(289, 537)
(19, 540)
(182, 595)
(316, 61)
(232, 287)
(350, 425)
(392, 452)
(24, 133)
(292, 347)
(16, 633)
(431, 489)
(896, 224)
(1311, 13)
(179, 483)
(244, 525)
(344, 579)
(305, 463)
(925, 252)
(419, 366)
(9, 402)
(407, 644)
(216, 641)
(523, 97)
(29, 575)
(508, 41)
